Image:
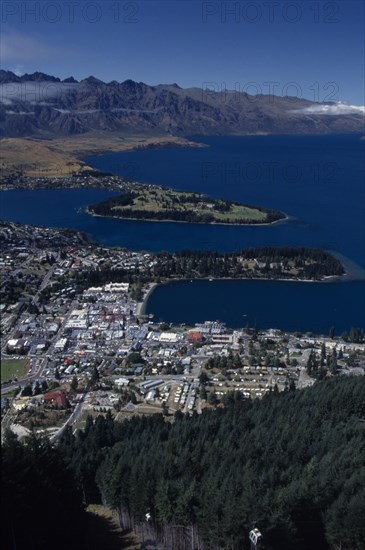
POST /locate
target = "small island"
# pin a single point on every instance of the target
(159, 203)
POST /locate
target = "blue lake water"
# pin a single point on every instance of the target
(317, 180)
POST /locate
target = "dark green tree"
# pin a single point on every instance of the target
(27, 390)
(95, 377)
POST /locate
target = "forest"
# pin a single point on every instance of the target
(291, 464)
(265, 262)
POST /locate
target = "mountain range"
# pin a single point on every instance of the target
(40, 105)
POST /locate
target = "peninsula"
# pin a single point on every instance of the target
(159, 203)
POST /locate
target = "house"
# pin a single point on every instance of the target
(195, 336)
(59, 397)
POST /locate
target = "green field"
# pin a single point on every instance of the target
(11, 368)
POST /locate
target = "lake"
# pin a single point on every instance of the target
(317, 180)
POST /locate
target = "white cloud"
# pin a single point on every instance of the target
(18, 69)
(338, 108)
(20, 113)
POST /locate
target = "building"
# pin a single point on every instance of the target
(122, 381)
(195, 336)
(17, 345)
(116, 287)
(58, 397)
(168, 337)
(60, 345)
(222, 338)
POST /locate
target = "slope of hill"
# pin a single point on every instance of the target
(292, 462)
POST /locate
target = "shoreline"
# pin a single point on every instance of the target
(145, 143)
(353, 272)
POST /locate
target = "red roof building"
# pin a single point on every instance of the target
(195, 336)
(60, 398)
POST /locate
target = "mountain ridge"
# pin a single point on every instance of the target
(45, 106)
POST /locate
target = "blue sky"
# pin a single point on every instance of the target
(313, 49)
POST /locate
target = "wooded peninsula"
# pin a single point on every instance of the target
(158, 203)
(305, 264)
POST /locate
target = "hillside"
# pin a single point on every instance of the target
(293, 463)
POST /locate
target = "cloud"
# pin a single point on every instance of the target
(22, 113)
(18, 69)
(338, 108)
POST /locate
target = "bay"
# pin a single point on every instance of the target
(317, 180)
(290, 306)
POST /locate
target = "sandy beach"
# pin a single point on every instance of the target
(141, 306)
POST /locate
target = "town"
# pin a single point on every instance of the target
(72, 349)
(88, 178)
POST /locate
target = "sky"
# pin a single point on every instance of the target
(309, 48)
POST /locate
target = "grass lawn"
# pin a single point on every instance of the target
(162, 200)
(242, 213)
(13, 367)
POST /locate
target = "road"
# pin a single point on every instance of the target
(71, 420)
(35, 300)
